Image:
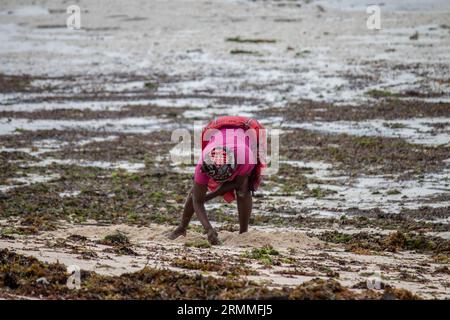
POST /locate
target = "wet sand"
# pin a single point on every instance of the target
(86, 118)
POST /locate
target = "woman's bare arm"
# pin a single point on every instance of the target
(198, 200)
(225, 187)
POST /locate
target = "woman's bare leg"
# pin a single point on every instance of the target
(188, 212)
(244, 204)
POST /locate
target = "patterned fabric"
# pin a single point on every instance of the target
(219, 164)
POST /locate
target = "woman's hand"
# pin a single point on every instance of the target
(213, 237)
(179, 231)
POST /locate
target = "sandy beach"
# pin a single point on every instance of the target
(87, 177)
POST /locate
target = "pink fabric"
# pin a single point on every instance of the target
(234, 139)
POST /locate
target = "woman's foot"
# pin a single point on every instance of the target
(179, 231)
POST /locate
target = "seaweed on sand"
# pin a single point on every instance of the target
(196, 265)
(377, 93)
(395, 241)
(246, 52)
(18, 272)
(248, 40)
(369, 155)
(116, 238)
(387, 109)
(120, 243)
(105, 195)
(202, 243)
(264, 254)
(14, 83)
(19, 275)
(221, 267)
(77, 238)
(319, 289)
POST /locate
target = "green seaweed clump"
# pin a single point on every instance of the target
(264, 254)
(116, 238)
(202, 243)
